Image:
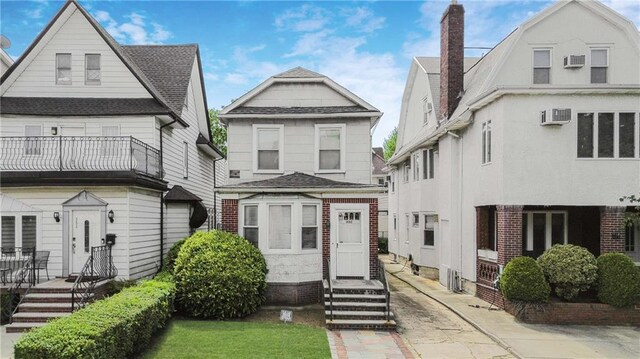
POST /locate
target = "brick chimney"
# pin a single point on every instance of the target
(451, 58)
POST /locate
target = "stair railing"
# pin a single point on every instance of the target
(382, 277)
(328, 278)
(98, 267)
(25, 261)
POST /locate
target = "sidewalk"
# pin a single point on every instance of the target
(528, 340)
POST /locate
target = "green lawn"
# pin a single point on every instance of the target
(212, 339)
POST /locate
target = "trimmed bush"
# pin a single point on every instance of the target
(219, 275)
(569, 269)
(116, 286)
(522, 280)
(172, 254)
(5, 308)
(618, 280)
(116, 327)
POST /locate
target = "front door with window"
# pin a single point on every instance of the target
(631, 239)
(350, 241)
(85, 233)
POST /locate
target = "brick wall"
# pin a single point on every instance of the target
(612, 229)
(294, 293)
(509, 233)
(451, 59)
(230, 215)
(578, 313)
(373, 231)
(490, 295)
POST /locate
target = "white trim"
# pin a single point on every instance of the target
(608, 73)
(343, 146)
(616, 135)
(56, 79)
(333, 213)
(99, 82)
(548, 224)
(533, 63)
(258, 127)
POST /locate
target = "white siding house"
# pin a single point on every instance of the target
(538, 150)
(99, 138)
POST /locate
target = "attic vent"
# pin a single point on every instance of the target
(574, 61)
(556, 116)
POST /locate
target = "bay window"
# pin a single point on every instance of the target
(309, 227)
(428, 163)
(250, 224)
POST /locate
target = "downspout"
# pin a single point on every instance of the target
(162, 198)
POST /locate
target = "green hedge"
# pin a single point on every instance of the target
(618, 280)
(570, 269)
(116, 327)
(172, 254)
(523, 280)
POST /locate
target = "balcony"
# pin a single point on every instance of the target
(66, 157)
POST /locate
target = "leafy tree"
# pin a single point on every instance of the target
(218, 131)
(389, 145)
(631, 217)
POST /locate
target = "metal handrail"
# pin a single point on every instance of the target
(330, 288)
(79, 153)
(382, 276)
(98, 267)
(26, 274)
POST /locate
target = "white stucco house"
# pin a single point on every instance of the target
(98, 139)
(531, 145)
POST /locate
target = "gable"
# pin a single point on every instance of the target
(298, 94)
(72, 33)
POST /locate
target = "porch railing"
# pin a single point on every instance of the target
(82, 153)
(18, 267)
(487, 272)
(328, 279)
(382, 277)
(98, 267)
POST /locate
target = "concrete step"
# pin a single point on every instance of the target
(41, 290)
(22, 327)
(359, 324)
(356, 297)
(356, 306)
(38, 317)
(357, 314)
(45, 307)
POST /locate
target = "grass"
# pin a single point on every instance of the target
(213, 339)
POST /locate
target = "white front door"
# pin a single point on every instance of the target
(350, 240)
(85, 233)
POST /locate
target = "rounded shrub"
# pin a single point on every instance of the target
(172, 254)
(618, 280)
(569, 269)
(523, 280)
(219, 275)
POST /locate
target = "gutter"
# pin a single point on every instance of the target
(372, 189)
(162, 197)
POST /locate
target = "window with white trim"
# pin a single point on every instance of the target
(405, 170)
(429, 230)
(416, 166)
(19, 231)
(599, 65)
(63, 69)
(330, 142)
(185, 159)
(415, 222)
(309, 227)
(8, 232)
(250, 228)
(542, 229)
(92, 69)
(32, 144)
(607, 134)
(279, 226)
(268, 148)
(428, 163)
(541, 66)
(486, 142)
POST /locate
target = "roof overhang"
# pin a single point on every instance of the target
(264, 190)
(209, 148)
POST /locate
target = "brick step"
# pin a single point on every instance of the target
(358, 291)
(49, 290)
(38, 317)
(357, 314)
(22, 327)
(45, 307)
(359, 324)
(356, 306)
(356, 297)
(48, 298)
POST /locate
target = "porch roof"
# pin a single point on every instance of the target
(71, 106)
(300, 182)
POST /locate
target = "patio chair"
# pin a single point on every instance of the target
(42, 262)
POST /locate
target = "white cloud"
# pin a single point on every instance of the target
(363, 19)
(136, 31)
(304, 18)
(35, 12)
(628, 8)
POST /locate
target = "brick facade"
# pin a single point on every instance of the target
(509, 233)
(451, 59)
(373, 231)
(577, 314)
(482, 227)
(294, 293)
(612, 229)
(230, 215)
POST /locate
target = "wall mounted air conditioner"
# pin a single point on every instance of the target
(574, 61)
(555, 116)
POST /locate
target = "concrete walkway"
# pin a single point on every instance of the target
(528, 340)
(366, 344)
(6, 342)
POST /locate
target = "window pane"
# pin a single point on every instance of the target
(309, 217)
(605, 135)
(330, 139)
(250, 215)
(268, 139)
(32, 146)
(557, 228)
(429, 222)
(541, 76)
(432, 169)
(329, 159)
(63, 61)
(585, 135)
(279, 227)
(599, 58)
(629, 239)
(64, 75)
(309, 237)
(539, 230)
(484, 143)
(251, 235)
(598, 75)
(526, 239)
(93, 62)
(489, 141)
(8, 232)
(28, 231)
(429, 237)
(627, 135)
(268, 160)
(542, 58)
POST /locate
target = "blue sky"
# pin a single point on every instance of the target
(365, 46)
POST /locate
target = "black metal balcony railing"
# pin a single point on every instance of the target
(85, 153)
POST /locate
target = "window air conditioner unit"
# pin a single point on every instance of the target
(556, 116)
(574, 61)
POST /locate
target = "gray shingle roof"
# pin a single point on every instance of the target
(299, 72)
(167, 67)
(377, 161)
(297, 110)
(70, 106)
(179, 194)
(298, 180)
